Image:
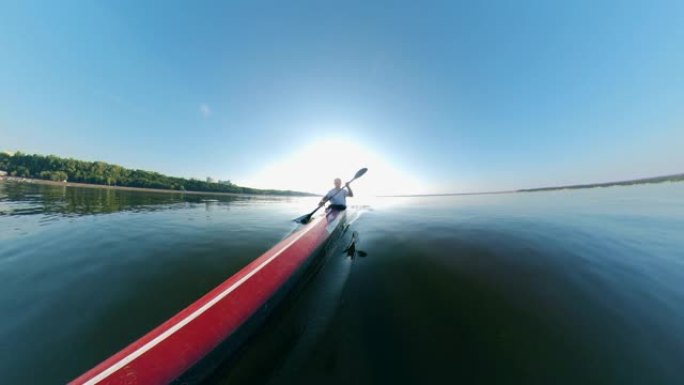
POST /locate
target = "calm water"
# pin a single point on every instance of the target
(538, 288)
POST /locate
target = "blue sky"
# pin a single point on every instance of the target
(455, 96)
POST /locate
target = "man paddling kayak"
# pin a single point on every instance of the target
(304, 219)
(337, 196)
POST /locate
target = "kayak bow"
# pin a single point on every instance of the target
(224, 316)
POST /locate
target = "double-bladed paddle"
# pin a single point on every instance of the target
(306, 218)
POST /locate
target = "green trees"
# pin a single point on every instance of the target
(57, 176)
(54, 168)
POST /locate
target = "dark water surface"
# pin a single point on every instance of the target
(561, 287)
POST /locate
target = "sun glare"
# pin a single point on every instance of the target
(313, 168)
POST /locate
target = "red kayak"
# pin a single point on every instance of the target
(220, 320)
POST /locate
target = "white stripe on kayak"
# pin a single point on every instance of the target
(143, 349)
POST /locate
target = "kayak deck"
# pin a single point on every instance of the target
(175, 346)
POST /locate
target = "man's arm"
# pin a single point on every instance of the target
(324, 199)
(351, 193)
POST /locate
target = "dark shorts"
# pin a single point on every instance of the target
(337, 207)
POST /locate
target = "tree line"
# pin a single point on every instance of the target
(54, 168)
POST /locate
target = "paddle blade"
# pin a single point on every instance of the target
(360, 173)
(304, 219)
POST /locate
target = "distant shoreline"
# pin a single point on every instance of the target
(139, 189)
(651, 180)
(658, 179)
(74, 172)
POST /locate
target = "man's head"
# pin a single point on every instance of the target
(338, 182)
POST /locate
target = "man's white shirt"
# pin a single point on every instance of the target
(337, 196)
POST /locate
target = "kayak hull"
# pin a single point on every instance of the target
(187, 345)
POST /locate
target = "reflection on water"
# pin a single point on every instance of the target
(31, 199)
(567, 287)
(352, 250)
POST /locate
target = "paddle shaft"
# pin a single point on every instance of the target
(305, 218)
(334, 195)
